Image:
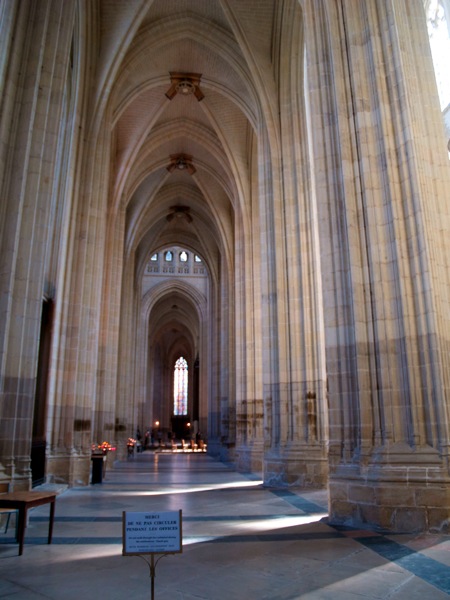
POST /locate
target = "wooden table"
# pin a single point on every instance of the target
(22, 501)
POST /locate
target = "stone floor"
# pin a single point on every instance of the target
(240, 541)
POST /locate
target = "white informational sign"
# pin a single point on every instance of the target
(151, 532)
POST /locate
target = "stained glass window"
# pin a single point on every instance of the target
(180, 387)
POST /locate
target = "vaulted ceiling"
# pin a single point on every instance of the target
(179, 83)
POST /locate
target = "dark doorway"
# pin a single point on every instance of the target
(181, 427)
(40, 400)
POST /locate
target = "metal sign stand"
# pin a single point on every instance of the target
(153, 533)
(152, 565)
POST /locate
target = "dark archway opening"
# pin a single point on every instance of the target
(38, 443)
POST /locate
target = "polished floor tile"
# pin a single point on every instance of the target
(240, 541)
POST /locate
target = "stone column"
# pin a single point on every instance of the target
(296, 407)
(249, 371)
(73, 401)
(37, 39)
(381, 180)
(108, 422)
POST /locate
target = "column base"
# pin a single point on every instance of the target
(221, 450)
(401, 491)
(297, 466)
(250, 458)
(71, 469)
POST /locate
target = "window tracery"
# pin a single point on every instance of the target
(180, 391)
(176, 261)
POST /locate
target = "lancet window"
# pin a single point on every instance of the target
(180, 391)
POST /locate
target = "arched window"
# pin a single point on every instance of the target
(180, 387)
